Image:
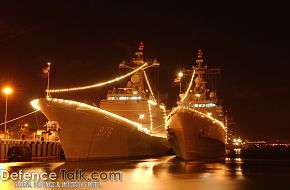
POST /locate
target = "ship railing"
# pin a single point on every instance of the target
(194, 112)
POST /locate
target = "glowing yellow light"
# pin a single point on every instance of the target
(141, 116)
(150, 113)
(198, 113)
(149, 87)
(139, 126)
(7, 90)
(209, 114)
(164, 113)
(98, 84)
(34, 104)
(180, 74)
(189, 87)
(152, 102)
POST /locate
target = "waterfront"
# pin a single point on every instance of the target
(170, 172)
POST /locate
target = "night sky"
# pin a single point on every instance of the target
(86, 40)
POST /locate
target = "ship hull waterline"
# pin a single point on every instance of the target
(89, 134)
(193, 137)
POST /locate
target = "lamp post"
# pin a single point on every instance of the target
(6, 91)
(48, 78)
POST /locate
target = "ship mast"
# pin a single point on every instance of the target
(197, 91)
(137, 82)
(199, 88)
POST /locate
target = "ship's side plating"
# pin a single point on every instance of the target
(193, 136)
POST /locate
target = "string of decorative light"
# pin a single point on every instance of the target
(189, 86)
(197, 112)
(98, 84)
(83, 106)
(149, 86)
(25, 115)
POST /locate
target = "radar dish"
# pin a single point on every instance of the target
(198, 80)
(135, 79)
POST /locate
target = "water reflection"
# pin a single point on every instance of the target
(165, 172)
(234, 167)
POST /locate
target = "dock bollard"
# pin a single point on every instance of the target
(2, 151)
(38, 149)
(49, 149)
(33, 149)
(44, 149)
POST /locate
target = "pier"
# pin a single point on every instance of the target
(39, 149)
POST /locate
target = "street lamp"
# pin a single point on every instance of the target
(48, 78)
(7, 90)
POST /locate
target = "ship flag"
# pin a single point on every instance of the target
(46, 69)
(175, 82)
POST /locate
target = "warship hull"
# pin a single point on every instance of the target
(87, 132)
(193, 136)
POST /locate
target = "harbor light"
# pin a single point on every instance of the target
(180, 74)
(237, 141)
(7, 90)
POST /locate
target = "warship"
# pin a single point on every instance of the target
(129, 122)
(195, 128)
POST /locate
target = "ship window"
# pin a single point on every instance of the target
(135, 97)
(125, 98)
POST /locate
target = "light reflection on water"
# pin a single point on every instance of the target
(172, 173)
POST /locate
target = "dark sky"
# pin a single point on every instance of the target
(86, 40)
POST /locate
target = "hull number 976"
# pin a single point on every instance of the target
(105, 131)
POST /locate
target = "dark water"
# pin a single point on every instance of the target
(170, 173)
